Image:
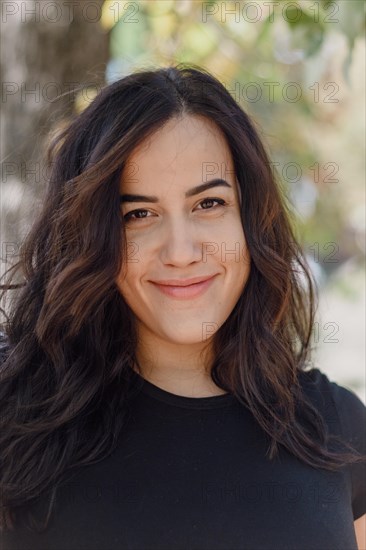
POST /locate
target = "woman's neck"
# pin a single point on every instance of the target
(182, 370)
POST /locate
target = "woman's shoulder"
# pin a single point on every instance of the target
(345, 415)
(334, 398)
(338, 403)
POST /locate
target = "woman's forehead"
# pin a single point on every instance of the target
(184, 148)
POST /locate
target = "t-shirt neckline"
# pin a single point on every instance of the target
(211, 402)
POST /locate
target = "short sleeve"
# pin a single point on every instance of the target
(345, 415)
(352, 415)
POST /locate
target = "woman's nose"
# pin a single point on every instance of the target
(182, 243)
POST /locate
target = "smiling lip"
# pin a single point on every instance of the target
(183, 282)
(184, 290)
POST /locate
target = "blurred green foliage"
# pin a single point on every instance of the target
(289, 65)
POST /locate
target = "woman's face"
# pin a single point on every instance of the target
(181, 233)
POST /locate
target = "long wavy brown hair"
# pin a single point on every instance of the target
(69, 340)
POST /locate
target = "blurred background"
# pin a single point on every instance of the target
(298, 68)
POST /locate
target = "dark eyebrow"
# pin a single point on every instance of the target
(194, 191)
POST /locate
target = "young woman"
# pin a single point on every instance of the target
(154, 385)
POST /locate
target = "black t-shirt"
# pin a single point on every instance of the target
(192, 474)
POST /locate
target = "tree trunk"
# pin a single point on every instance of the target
(49, 51)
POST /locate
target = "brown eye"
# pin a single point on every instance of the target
(220, 202)
(129, 216)
(142, 213)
